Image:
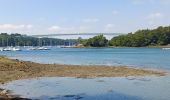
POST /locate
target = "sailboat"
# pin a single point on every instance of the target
(32, 48)
(11, 49)
(1, 49)
(16, 49)
(166, 48)
(40, 47)
(43, 48)
(8, 49)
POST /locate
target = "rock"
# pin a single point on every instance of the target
(4, 92)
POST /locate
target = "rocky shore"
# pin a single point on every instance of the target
(13, 69)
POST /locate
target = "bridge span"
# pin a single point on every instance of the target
(77, 35)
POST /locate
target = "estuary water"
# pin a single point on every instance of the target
(119, 88)
(138, 57)
(63, 88)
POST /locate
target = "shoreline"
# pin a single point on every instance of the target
(13, 69)
(157, 46)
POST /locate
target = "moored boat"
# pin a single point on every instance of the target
(166, 48)
(1, 49)
(8, 49)
(16, 49)
(43, 48)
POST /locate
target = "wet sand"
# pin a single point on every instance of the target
(11, 69)
(14, 70)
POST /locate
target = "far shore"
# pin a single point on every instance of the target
(150, 46)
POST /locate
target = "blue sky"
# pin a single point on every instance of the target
(72, 16)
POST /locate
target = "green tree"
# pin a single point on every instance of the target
(97, 41)
(159, 36)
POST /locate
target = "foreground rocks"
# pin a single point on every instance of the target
(5, 95)
(15, 70)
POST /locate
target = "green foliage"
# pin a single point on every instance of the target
(23, 40)
(97, 41)
(159, 36)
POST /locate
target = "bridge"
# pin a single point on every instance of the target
(77, 34)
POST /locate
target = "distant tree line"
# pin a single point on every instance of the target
(141, 38)
(159, 36)
(24, 40)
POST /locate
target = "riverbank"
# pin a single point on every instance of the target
(12, 69)
(150, 46)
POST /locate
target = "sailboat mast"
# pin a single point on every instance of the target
(7, 42)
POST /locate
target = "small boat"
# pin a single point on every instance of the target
(32, 48)
(166, 48)
(43, 48)
(1, 49)
(8, 49)
(38, 48)
(16, 49)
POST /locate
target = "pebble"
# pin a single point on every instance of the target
(4, 92)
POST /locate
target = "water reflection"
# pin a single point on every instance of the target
(107, 96)
(60, 88)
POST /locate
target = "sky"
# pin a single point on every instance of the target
(82, 16)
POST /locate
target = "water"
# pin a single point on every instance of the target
(59, 88)
(63, 88)
(138, 57)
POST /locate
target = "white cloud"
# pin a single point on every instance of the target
(14, 27)
(154, 17)
(91, 20)
(109, 27)
(55, 29)
(59, 29)
(29, 26)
